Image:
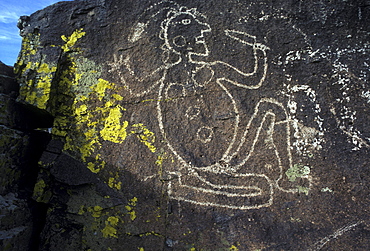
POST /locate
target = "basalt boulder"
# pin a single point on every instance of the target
(201, 125)
(22, 141)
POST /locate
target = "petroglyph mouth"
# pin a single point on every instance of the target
(200, 40)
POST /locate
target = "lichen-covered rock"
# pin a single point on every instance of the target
(201, 125)
(22, 140)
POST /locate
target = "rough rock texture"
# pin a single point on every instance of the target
(201, 125)
(20, 148)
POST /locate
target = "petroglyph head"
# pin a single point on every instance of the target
(183, 31)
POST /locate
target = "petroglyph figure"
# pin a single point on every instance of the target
(219, 162)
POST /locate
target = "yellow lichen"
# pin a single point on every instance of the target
(95, 211)
(130, 208)
(133, 201)
(145, 135)
(81, 110)
(110, 227)
(81, 211)
(40, 194)
(113, 183)
(149, 234)
(71, 40)
(45, 68)
(117, 97)
(90, 124)
(73, 121)
(30, 44)
(36, 91)
(114, 130)
(100, 88)
(87, 108)
(234, 248)
(92, 167)
(159, 160)
(132, 215)
(38, 189)
(189, 232)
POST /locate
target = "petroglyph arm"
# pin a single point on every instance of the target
(226, 72)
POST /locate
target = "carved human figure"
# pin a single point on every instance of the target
(224, 158)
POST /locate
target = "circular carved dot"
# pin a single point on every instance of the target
(179, 41)
(205, 134)
(192, 112)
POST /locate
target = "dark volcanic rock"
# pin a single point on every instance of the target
(20, 149)
(8, 85)
(202, 125)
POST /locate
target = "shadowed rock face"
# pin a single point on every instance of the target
(192, 125)
(21, 146)
(7, 82)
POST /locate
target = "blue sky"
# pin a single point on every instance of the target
(10, 11)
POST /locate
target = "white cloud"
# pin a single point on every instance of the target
(8, 16)
(10, 11)
(4, 37)
(9, 31)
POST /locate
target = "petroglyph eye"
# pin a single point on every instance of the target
(186, 21)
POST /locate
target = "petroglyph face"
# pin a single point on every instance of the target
(183, 33)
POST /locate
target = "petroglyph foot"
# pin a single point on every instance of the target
(240, 191)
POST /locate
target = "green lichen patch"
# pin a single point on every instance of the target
(297, 171)
(326, 189)
(304, 190)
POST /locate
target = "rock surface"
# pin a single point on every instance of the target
(200, 125)
(20, 148)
